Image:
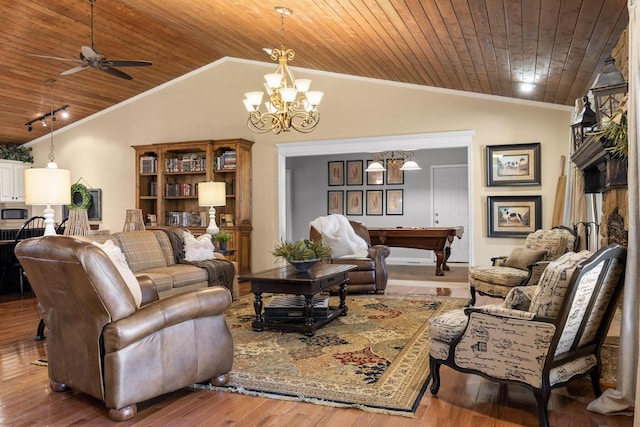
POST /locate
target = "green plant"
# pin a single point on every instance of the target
(222, 236)
(301, 250)
(614, 131)
(15, 152)
(85, 201)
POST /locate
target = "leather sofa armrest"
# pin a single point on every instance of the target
(163, 313)
(379, 252)
(149, 291)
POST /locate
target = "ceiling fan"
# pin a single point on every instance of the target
(90, 58)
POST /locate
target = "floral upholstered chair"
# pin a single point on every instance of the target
(542, 339)
(523, 266)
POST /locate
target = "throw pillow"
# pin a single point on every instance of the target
(519, 298)
(200, 249)
(520, 258)
(118, 259)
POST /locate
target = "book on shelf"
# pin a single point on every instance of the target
(148, 164)
(185, 219)
(188, 163)
(180, 190)
(226, 160)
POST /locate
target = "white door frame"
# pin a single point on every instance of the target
(420, 141)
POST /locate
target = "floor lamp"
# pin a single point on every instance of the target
(212, 194)
(47, 186)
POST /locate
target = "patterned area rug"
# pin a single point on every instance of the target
(376, 358)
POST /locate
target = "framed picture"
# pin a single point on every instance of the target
(354, 202)
(354, 172)
(374, 178)
(335, 202)
(394, 202)
(513, 216)
(94, 213)
(394, 174)
(336, 173)
(513, 164)
(374, 202)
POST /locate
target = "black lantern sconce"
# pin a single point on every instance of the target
(583, 124)
(609, 91)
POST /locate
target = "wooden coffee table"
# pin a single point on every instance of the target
(286, 280)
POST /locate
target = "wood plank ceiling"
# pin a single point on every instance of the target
(483, 46)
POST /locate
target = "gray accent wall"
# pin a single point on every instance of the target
(309, 187)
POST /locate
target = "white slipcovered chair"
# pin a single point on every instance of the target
(523, 266)
(541, 339)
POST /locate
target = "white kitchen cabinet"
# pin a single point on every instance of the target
(12, 181)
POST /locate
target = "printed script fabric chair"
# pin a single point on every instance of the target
(541, 342)
(101, 343)
(523, 266)
(370, 274)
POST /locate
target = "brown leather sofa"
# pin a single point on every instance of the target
(370, 274)
(101, 344)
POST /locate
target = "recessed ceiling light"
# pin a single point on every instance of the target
(526, 87)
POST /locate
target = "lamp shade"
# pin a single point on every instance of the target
(212, 194)
(47, 186)
(410, 165)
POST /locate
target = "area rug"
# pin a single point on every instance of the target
(376, 358)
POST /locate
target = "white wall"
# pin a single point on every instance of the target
(207, 104)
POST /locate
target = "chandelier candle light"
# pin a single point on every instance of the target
(392, 158)
(291, 104)
(212, 194)
(48, 186)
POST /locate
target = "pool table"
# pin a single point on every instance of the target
(437, 239)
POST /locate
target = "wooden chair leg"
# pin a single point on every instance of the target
(40, 332)
(542, 398)
(472, 290)
(434, 374)
(595, 380)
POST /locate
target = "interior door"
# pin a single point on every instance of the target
(450, 189)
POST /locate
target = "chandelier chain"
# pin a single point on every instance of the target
(51, 155)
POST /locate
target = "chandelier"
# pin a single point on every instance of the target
(393, 159)
(291, 104)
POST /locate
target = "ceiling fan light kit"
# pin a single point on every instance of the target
(91, 58)
(291, 105)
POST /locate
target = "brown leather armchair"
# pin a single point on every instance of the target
(102, 344)
(371, 273)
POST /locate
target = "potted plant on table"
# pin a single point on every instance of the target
(222, 237)
(303, 254)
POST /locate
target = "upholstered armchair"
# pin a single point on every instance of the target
(541, 336)
(523, 266)
(117, 345)
(370, 274)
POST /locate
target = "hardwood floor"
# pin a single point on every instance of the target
(463, 400)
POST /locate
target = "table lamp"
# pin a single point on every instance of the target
(47, 186)
(212, 194)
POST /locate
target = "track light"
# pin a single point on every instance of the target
(52, 114)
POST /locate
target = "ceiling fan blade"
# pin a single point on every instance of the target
(116, 72)
(125, 63)
(89, 53)
(73, 70)
(55, 57)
